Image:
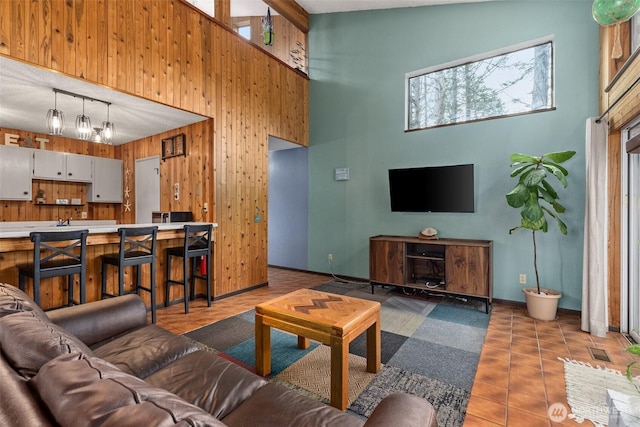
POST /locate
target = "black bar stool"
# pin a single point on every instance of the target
(55, 261)
(137, 247)
(197, 243)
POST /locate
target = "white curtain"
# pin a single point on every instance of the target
(594, 272)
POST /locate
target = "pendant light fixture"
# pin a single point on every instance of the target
(83, 125)
(55, 118)
(108, 129)
(55, 121)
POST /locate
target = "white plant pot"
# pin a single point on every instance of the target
(543, 306)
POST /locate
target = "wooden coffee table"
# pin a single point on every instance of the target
(334, 320)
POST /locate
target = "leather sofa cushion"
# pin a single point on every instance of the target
(145, 350)
(205, 379)
(89, 392)
(18, 406)
(29, 341)
(277, 406)
(13, 300)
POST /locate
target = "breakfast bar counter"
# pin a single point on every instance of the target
(16, 248)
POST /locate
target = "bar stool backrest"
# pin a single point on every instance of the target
(52, 256)
(197, 239)
(137, 242)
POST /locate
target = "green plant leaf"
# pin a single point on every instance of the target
(630, 368)
(520, 169)
(558, 207)
(550, 189)
(557, 173)
(555, 165)
(534, 178)
(633, 349)
(559, 156)
(532, 212)
(546, 195)
(539, 225)
(518, 196)
(523, 158)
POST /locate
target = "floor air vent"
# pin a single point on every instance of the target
(599, 354)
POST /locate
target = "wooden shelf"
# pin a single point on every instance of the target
(57, 204)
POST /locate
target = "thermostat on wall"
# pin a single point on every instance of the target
(342, 174)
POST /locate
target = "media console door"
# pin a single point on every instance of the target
(386, 261)
(467, 269)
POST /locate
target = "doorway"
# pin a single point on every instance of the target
(147, 188)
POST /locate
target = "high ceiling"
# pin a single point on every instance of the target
(26, 92)
(330, 6)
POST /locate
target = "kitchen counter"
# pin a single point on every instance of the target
(17, 231)
(16, 248)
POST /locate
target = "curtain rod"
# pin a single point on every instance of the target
(627, 90)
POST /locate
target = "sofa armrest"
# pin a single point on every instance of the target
(100, 320)
(401, 409)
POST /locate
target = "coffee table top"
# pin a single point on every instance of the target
(336, 314)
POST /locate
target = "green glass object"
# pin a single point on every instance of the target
(608, 12)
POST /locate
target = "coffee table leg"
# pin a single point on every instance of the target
(263, 347)
(339, 373)
(303, 342)
(373, 347)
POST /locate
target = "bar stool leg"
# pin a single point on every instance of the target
(121, 280)
(70, 290)
(152, 290)
(83, 287)
(185, 282)
(36, 286)
(167, 275)
(209, 272)
(104, 280)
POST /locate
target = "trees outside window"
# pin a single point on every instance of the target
(511, 82)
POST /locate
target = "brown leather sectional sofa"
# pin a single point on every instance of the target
(102, 364)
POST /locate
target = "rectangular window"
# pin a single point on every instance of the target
(506, 82)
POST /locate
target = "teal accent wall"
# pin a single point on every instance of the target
(357, 64)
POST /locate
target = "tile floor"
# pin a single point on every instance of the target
(519, 374)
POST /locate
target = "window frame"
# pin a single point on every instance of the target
(476, 58)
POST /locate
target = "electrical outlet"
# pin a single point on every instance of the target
(83, 215)
(523, 279)
(205, 207)
(330, 257)
(176, 191)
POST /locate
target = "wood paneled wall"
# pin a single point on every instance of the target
(29, 211)
(168, 51)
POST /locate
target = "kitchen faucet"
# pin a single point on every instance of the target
(62, 222)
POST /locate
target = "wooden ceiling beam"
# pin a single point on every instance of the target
(292, 11)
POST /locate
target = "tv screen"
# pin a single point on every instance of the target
(432, 189)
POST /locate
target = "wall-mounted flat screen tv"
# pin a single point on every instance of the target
(432, 189)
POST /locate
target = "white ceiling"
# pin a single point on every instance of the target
(330, 6)
(26, 94)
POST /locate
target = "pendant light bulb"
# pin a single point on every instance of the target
(83, 125)
(55, 118)
(108, 129)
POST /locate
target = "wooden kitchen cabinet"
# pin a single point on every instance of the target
(459, 267)
(106, 186)
(15, 173)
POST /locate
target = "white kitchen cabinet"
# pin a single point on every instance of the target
(106, 186)
(15, 173)
(79, 167)
(61, 166)
(48, 164)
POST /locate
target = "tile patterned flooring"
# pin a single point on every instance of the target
(519, 375)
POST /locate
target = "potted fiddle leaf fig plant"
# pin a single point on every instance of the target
(537, 200)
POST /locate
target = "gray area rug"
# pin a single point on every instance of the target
(428, 349)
